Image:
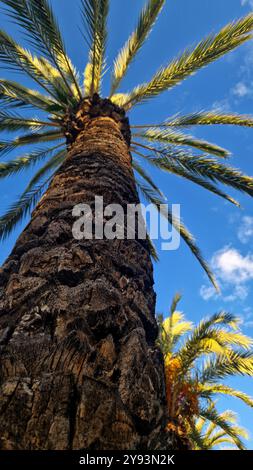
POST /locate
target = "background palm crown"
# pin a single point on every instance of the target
(164, 145)
(198, 360)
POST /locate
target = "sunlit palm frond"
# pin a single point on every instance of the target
(167, 136)
(214, 438)
(154, 198)
(204, 338)
(197, 438)
(19, 94)
(119, 98)
(167, 163)
(95, 14)
(14, 57)
(221, 422)
(37, 19)
(127, 54)
(229, 364)
(28, 139)
(27, 161)
(13, 122)
(207, 391)
(208, 118)
(208, 50)
(215, 171)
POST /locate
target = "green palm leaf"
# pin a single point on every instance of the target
(168, 164)
(154, 198)
(22, 163)
(95, 14)
(127, 54)
(28, 139)
(21, 95)
(215, 171)
(140, 170)
(14, 122)
(54, 162)
(207, 391)
(20, 209)
(209, 118)
(178, 138)
(37, 19)
(218, 420)
(208, 50)
(240, 363)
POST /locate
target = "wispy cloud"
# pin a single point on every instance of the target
(234, 272)
(247, 3)
(241, 90)
(245, 230)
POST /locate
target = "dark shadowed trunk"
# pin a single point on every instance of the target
(79, 365)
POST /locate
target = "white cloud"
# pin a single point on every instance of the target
(245, 230)
(247, 2)
(232, 267)
(241, 90)
(207, 292)
(234, 271)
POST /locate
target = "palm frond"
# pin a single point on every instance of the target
(232, 363)
(169, 164)
(215, 171)
(208, 50)
(154, 198)
(218, 420)
(14, 57)
(142, 172)
(20, 209)
(167, 136)
(14, 122)
(202, 118)
(19, 94)
(37, 19)
(95, 14)
(8, 146)
(22, 163)
(54, 162)
(197, 438)
(207, 391)
(204, 338)
(209, 118)
(127, 54)
(119, 98)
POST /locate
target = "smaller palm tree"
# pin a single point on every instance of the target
(209, 436)
(198, 359)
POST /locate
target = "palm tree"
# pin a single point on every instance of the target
(78, 316)
(209, 436)
(197, 361)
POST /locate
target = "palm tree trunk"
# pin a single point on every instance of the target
(79, 365)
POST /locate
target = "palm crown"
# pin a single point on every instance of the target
(165, 145)
(198, 360)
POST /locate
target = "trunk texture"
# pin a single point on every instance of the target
(79, 366)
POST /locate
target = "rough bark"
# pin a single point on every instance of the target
(79, 365)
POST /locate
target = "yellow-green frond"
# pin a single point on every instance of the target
(95, 14)
(127, 54)
(209, 118)
(208, 50)
(167, 136)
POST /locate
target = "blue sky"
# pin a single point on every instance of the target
(224, 232)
